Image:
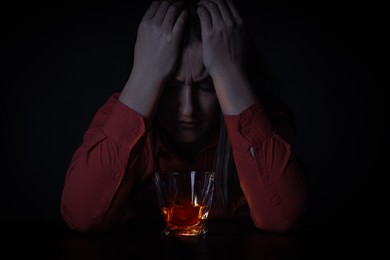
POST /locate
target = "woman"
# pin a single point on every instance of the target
(193, 101)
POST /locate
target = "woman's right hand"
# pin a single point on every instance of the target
(156, 54)
(157, 47)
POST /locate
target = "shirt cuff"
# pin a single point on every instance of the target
(124, 124)
(252, 124)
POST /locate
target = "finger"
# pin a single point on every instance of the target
(161, 11)
(151, 10)
(172, 14)
(213, 10)
(224, 11)
(178, 28)
(205, 19)
(234, 12)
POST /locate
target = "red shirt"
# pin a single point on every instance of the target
(110, 178)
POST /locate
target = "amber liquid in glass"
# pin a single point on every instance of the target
(184, 220)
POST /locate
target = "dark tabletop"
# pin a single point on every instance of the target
(224, 240)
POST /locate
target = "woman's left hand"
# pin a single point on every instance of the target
(223, 37)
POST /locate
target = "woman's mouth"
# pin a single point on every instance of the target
(188, 123)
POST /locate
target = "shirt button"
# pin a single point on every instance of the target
(265, 177)
(247, 131)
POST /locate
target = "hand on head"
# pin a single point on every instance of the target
(161, 32)
(158, 40)
(223, 36)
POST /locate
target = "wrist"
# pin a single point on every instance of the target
(229, 74)
(234, 91)
(144, 81)
(142, 94)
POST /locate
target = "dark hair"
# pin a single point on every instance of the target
(192, 34)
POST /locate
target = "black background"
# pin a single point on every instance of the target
(61, 62)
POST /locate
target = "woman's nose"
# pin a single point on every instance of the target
(186, 100)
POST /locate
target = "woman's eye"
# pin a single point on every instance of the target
(207, 86)
(204, 86)
(172, 84)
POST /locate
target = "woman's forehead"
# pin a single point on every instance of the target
(191, 65)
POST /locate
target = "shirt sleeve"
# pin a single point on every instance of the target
(95, 186)
(270, 175)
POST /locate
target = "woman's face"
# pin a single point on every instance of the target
(189, 110)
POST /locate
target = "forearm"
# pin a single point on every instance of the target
(92, 181)
(271, 177)
(101, 172)
(274, 185)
